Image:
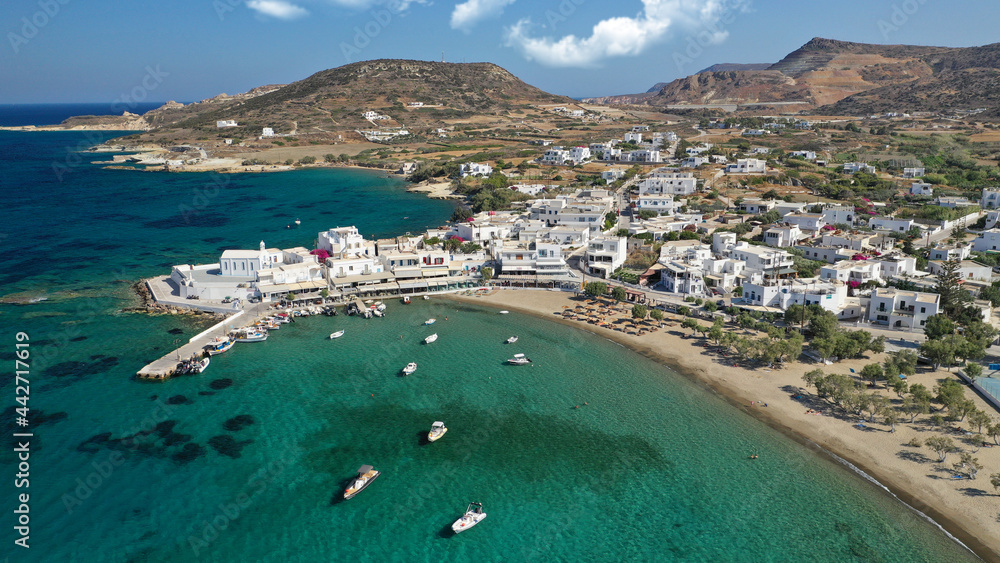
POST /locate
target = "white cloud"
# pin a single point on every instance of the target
(469, 13)
(626, 36)
(395, 6)
(277, 9)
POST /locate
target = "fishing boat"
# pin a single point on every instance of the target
(427, 297)
(219, 345)
(378, 313)
(512, 340)
(504, 312)
(410, 368)
(438, 429)
(518, 360)
(473, 515)
(366, 474)
(193, 366)
(337, 334)
(406, 299)
(282, 318)
(297, 222)
(251, 336)
(431, 338)
(430, 321)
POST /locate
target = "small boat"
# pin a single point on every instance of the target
(430, 321)
(297, 222)
(518, 360)
(427, 297)
(379, 306)
(251, 336)
(366, 474)
(473, 515)
(504, 312)
(378, 312)
(337, 334)
(431, 338)
(512, 340)
(438, 429)
(219, 345)
(410, 368)
(406, 299)
(193, 366)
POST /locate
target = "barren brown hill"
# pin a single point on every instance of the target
(867, 77)
(332, 101)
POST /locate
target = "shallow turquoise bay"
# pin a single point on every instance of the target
(653, 468)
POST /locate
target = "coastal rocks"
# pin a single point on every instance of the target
(189, 453)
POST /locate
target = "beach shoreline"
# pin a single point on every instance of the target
(827, 436)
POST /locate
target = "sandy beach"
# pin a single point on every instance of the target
(435, 190)
(966, 509)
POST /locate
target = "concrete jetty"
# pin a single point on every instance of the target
(166, 366)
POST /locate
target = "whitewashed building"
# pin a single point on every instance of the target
(901, 309)
(669, 183)
(475, 169)
(747, 166)
(891, 224)
(854, 167)
(782, 237)
(990, 198)
(921, 188)
(605, 255)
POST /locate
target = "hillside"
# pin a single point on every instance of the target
(840, 77)
(330, 103)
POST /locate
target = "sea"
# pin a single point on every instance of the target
(590, 453)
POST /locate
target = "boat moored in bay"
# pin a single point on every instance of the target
(366, 474)
(473, 515)
(438, 429)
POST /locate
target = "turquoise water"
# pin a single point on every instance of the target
(247, 462)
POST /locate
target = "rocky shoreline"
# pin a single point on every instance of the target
(149, 306)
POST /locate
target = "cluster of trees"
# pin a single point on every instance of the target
(827, 338)
(776, 346)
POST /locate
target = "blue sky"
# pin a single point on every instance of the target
(186, 50)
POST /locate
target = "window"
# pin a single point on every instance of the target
(923, 310)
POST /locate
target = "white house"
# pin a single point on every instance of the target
(668, 183)
(808, 222)
(678, 277)
(828, 294)
(612, 174)
(782, 237)
(990, 198)
(952, 202)
(723, 243)
(747, 166)
(556, 156)
(662, 204)
(226, 123)
(344, 242)
(891, 224)
(633, 137)
(267, 132)
(808, 155)
(578, 155)
(694, 162)
(475, 169)
(853, 167)
(968, 270)
(921, 188)
(605, 255)
(756, 206)
(530, 189)
(987, 241)
(248, 262)
(860, 271)
(771, 261)
(945, 252)
(913, 172)
(785, 207)
(837, 214)
(902, 309)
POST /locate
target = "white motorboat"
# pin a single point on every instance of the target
(366, 474)
(430, 321)
(337, 334)
(427, 297)
(438, 429)
(251, 336)
(512, 340)
(410, 368)
(473, 515)
(378, 313)
(219, 345)
(431, 338)
(193, 366)
(519, 360)
(379, 306)
(406, 299)
(504, 312)
(297, 222)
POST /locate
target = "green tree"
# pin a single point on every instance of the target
(595, 289)
(897, 384)
(973, 370)
(950, 393)
(891, 417)
(940, 445)
(716, 333)
(938, 326)
(914, 407)
(291, 296)
(873, 373)
(618, 293)
(307, 160)
(994, 432)
(487, 274)
(968, 464)
(953, 297)
(684, 311)
(690, 324)
(329, 157)
(639, 311)
(324, 293)
(711, 307)
(938, 352)
(995, 481)
(656, 315)
(979, 419)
